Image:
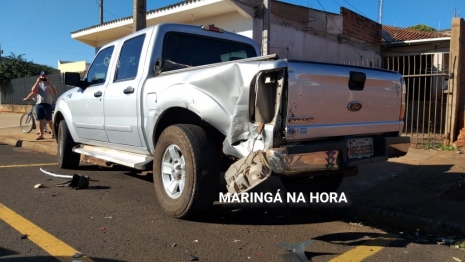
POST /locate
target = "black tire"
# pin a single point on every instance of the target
(200, 177)
(67, 159)
(27, 122)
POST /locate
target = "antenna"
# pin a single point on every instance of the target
(380, 11)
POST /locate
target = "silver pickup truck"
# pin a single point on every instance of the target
(193, 102)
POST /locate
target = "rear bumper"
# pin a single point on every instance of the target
(329, 156)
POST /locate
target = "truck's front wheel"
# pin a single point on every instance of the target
(67, 159)
(185, 171)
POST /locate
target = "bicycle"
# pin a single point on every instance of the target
(28, 120)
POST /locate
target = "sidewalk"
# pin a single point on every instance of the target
(423, 191)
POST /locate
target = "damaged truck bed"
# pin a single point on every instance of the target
(190, 102)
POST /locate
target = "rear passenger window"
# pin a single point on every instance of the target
(128, 63)
(193, 50)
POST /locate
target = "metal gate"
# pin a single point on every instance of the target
(426, 77)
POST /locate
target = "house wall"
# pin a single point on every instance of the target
(79, 66)
(360, 27)
(288, 40)
(233, 22)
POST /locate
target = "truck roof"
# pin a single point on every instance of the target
(189, 29)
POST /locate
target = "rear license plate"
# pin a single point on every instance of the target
(361, 147)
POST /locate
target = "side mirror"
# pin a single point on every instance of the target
(74, 79)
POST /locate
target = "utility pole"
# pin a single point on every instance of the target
(101, 11)
(139, 15)
(380, 12)
(266, 27)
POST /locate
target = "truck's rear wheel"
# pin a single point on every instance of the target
(185, 171)
(67, 159)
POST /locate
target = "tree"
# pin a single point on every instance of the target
(15, 66)
(422, 27)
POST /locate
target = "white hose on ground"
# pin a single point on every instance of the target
(55, 175)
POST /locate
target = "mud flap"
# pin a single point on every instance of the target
(247, 172)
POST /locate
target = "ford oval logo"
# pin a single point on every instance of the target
(354, 106)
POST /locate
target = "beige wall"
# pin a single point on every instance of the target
(79, 66)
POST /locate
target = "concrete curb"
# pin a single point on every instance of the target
(51, 150)
(47, 149)
(400, 221)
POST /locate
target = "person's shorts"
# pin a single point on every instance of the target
(44, 111)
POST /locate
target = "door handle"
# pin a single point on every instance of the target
(129, 90)
(98, 94)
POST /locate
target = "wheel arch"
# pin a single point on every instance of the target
(180, 115)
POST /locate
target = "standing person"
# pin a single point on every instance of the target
(44, 90)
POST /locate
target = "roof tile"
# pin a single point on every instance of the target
(404, 34)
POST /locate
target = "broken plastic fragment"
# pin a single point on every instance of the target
(55, 175)
(193, 258)
(297, 249)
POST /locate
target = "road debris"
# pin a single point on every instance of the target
(77, 255)
(195, 241)
(236, 240)
(298, 250)
(457, 259)
(193, 258)
(109, 217)
(24, 236)
(76, 182)
(174, 245)
(39, 186)
(55, 175)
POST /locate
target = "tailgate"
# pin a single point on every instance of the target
(326, 100)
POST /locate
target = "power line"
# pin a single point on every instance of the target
(31, 19)
(355, 8)
(339, 29)
(47, 50)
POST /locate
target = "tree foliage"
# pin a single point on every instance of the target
(422, 27)
(15, 66)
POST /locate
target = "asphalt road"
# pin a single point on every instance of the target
(117, 219)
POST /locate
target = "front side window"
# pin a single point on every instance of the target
(128, 63)
(98, 71)
(194, 50)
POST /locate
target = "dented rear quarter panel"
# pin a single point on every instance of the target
(217, 93)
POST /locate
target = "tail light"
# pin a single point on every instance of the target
(403, 88)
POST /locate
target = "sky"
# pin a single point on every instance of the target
(40, 30)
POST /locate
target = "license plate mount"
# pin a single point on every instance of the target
(359, 148)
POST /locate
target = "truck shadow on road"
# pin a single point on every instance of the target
(429, 197)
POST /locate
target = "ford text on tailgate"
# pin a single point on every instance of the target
(190, 102)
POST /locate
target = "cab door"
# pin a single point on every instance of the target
(87, 104)
(120, 100)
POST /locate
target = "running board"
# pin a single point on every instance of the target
(137, 161)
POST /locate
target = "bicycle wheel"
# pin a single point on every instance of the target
(27, 122)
